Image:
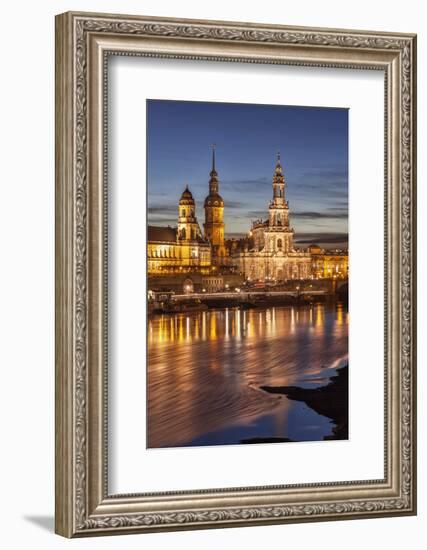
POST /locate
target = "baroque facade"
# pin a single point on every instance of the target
(214, 218)
(185, 248)
(326, 264)
(269, 252)
(180, 249)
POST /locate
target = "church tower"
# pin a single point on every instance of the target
(279, 208)
(188, 227)
(280, 234)
(214, 216)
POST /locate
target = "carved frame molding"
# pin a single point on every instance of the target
(83, 43)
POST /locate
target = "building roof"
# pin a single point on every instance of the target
(214, 199)
(186, 197)
(161, 234)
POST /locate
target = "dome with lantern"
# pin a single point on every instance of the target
(186, 198)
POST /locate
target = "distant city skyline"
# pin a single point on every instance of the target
(313, 143)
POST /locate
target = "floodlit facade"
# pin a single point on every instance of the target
(269, 253)
(180, 249)
(214, 218)
(326, 264)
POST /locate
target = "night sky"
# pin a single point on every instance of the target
(313, 143)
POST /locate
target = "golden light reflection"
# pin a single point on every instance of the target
(187, 329)
(181, 336)
(250, 327)
(201, 365)
(212, 327)
(340, 316)
(293, 321)
(237, 326)
(197, 327)
(319, 315)
(204, 314)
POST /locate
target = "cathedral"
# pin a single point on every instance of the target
(269, 253)
(185, 248)
(214, 217)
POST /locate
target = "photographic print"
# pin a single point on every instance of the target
(247, 274)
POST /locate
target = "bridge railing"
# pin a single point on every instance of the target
(247, 295)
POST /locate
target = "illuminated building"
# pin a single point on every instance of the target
(326, 264)
(185, 258)
(180, 249)
(269, 253)
(214, 218)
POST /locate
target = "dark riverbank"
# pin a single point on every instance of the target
(266, 440)
(330, 400)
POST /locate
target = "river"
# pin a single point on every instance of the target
(205, 369)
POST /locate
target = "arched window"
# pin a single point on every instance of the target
(183, 213)
(279, 243)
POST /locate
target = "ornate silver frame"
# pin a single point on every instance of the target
(83, 505)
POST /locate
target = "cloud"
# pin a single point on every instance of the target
(333, 175)
(162, 221)
(340, 205)
(325, 181)
(245, 183)
(338, 215)
(165, 209)
(162, 214)
(233, 205)
(324, 238)
(256, 214)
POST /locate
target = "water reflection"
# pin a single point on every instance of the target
(205, 368)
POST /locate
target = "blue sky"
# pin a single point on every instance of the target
(313, 143)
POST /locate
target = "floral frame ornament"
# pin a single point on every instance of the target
(83, 43)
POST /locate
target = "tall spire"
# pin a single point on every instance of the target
(278, 182)
(213, 171)
(213, 157)
(214, 216)
(279, 170)
(213, 181)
